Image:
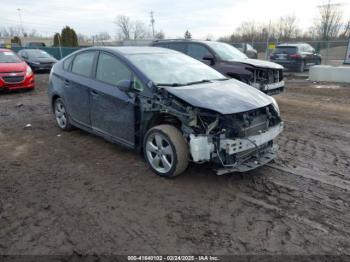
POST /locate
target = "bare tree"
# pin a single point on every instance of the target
(346, 30)
(139, 30)
(329, 23)
(287, 28)
(247, 31)
(125, 26)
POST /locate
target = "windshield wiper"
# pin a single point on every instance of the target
(205, 81)
(198, 82)
(169, 84)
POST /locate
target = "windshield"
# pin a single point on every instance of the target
(173, 68)
(9, 57)
(37, 54)
(226, 51)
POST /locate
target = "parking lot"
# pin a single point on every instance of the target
(74, 192)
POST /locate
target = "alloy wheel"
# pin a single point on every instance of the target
(159, 153)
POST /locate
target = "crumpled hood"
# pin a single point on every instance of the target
(225, 97)
(258, 63)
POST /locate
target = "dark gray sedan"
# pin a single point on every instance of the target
(170, 106)
(38, 60)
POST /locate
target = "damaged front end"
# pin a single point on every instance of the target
(235, 142)
(238, 142)
(267, 80)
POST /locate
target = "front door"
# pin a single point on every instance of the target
(112, 110)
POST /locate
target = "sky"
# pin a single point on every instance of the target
(202, 18)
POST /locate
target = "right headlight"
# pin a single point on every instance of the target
(275, 105)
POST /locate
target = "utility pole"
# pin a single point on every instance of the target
(152, 22)
(20, 20)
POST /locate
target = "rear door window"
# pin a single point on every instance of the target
(181, 47)
(111, 70)
(83, 62)
(197, 51)
(164, 45)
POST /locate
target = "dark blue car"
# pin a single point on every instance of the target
(170, 106)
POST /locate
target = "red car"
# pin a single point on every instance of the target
(14, 73)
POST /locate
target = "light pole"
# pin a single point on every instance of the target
(20, 20)
(152, 23)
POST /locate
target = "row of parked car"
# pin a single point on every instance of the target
(16, 70)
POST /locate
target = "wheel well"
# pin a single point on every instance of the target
(53, 101)
(155, 120)
(161, 118)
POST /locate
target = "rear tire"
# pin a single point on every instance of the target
(61, 115)
(166, 151)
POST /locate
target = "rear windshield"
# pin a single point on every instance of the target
(9, 57)
(286, 50)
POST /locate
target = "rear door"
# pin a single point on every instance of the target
(77, 84)
(112, 110)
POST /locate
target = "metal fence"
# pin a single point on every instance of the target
(332, 52)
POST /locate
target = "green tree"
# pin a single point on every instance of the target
(188, 35)
(16, 40)
(69, 37)
(56, 39)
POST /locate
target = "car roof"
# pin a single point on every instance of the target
(131, 50)
(183, 40)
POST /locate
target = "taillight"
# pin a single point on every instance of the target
(29, 71)
(294, 56)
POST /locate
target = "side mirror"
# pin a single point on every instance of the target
(24, 56)
(209, 58)
(126, 86)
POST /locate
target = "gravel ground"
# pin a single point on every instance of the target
(64, 193)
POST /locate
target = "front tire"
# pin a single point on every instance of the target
(61, 115)
(166, 150)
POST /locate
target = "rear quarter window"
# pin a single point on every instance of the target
(67, 62)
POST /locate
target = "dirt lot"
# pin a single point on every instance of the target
(74, 192)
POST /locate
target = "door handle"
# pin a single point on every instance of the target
(94, 93)
(66, 82)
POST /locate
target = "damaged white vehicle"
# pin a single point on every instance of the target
(170, 106)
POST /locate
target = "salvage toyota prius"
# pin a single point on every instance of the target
(167, 105)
